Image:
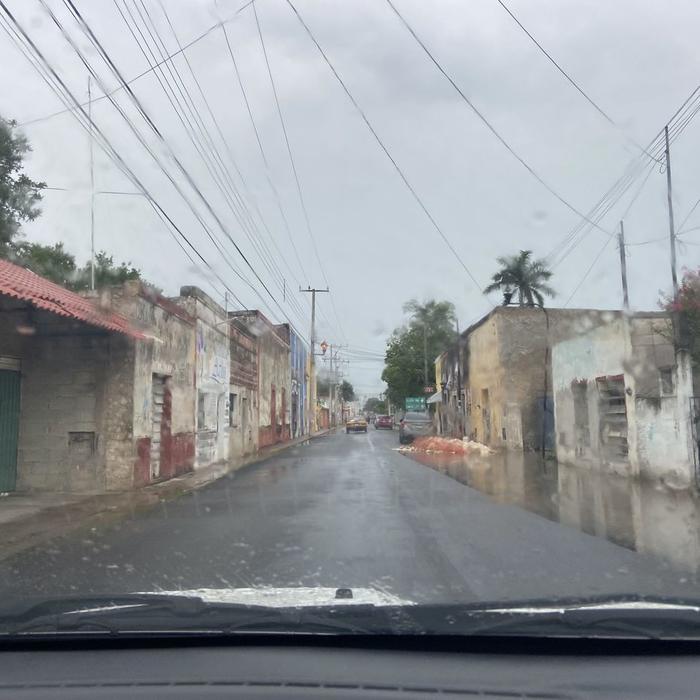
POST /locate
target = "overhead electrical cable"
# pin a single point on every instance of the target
(487, 123)
(587, 97)
(302, 202)
(46, 71)
(386, 151)
(146, 72)
(185, 173)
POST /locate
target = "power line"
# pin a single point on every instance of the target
(487, 123)
(263, 156)
(292, 301)
(590, 100)
(146, 72)
(379, 141)
(293, 164)
(49, 75)
(104, 55)
(222, 176)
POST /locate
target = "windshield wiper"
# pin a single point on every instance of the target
(605, 616)
(630, 617)
(155, 613)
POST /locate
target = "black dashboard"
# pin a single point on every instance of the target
(286, 670)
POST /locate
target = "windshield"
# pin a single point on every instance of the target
(238, 238)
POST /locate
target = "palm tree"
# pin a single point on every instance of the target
(524, 276)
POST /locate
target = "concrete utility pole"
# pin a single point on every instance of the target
(623, 265)
(312, 361)
(425, 353)
(92, 188)
(460, 403)
(330, 386)
(671, 227)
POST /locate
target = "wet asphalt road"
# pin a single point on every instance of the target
(340, 511)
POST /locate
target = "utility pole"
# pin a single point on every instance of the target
(330, 386)
(460, 403)
(425, 354)
(92, 188)
(312, 363)
(671, 227)
(623, 265)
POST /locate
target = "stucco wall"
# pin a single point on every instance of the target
(274, 388)
(658, 423)
(212, 375)
(485, 380)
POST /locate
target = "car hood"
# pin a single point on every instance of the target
(293, 597)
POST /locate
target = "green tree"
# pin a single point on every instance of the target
(347, 392)
(430, 330)
(374, 405)
(50, 261)
(19, 195)
(106, 273)
(521, 275)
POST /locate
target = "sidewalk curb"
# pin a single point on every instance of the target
(56, 521)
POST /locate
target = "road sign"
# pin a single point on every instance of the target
(428, 389)
(415, 403)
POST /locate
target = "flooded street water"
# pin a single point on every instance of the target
(641, 516)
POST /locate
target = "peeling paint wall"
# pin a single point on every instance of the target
(168, 356)
(298, 385)
(657, 391)
(243, 392)
(274, 376)
(212, 375)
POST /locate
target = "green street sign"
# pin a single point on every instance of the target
(415, 403)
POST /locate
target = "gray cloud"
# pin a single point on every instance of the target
(639, 61)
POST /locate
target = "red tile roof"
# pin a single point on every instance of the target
(19, 283)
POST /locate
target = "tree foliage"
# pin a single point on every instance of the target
(19, 194)
(50, 261)
(686, 306)
(347, 391)
(58, 265)
(404, 359)
(521, 275)
(107, 272)
(374, 405)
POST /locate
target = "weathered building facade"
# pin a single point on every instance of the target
(243, 390)
(90, 401)
(497, 379)
(212, 375)
(298, 385)
(274, 376)
(623, 399)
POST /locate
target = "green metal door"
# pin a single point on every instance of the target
(9, 428)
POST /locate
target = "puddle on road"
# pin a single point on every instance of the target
(644, 517)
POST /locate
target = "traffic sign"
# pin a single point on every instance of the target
(415, 403)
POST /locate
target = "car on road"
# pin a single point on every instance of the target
(358, 424)
(384, 422)
(414, 425)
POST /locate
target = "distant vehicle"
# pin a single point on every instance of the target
(386, 422)
(358, 424)
(414, 425)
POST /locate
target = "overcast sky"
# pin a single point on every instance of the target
(637, 60)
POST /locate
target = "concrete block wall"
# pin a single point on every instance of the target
(62, 402)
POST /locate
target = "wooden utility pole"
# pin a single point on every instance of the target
(671, 227)
(312, 362)
(623, 266)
